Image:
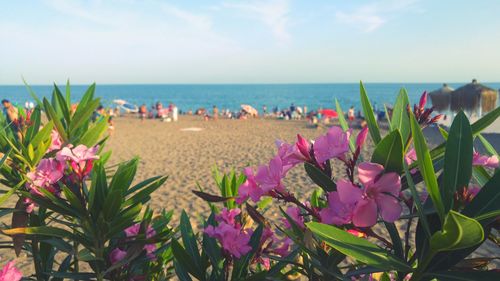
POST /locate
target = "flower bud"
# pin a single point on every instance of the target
(361, 138)
(423, 101)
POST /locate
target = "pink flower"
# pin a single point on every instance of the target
(80, 158)
(379, 195)
(117, 255)
(47, 174)
(228, 216)
(269, 177)
(249, 188)
(29, 205)
(56, 141)
(485, 161)
(361, 138)
(284, 246)
(10, 273)
(289, 154)
(337, 212)
(410, 157)
(133, 231)
(79, 154)
(304, 147)
(233, 240)
(334, 144)
(294, 213)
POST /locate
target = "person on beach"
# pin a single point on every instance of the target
(175, 112)
(143, 112)
(350, 114)
(215, 112)
(12, 115)
(264, 110)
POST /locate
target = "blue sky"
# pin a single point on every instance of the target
(273, 41)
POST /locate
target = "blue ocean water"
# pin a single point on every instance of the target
(231, 96)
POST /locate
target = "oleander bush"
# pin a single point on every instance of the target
(75, 217)
(408, 212)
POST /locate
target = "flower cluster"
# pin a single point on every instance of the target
(229, 233)
(119, 253)
(268, 178)
(70, 165)
(422, 114)
(234, 238)
(379, 195)
(354, 203)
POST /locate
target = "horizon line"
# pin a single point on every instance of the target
(251, 83)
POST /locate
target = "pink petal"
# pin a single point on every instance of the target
(365, 213)
(389, 207)
(390, 183)
(367, 172)
(348, 193)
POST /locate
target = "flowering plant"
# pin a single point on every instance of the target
(348, 229)
(70, 206)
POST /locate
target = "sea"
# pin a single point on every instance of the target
(232, 96)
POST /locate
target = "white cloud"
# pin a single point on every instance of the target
(370, 17)
(201, 22)
(272, 13)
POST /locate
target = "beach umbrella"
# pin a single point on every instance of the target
(128, 107)
(249, 109)
(329, 113)
(474, 97)
(441, 98)
(120, 102)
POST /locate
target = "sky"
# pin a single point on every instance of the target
(254, 41)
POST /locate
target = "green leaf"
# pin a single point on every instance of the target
(68, 94)
(32, 93)
(485, 121)
(457, 169)
(43, 134)
(86, 255)
(315, 198)
(185, 262)
(344, 125)
(93, 134)
(357, 248)
(112, 204)
(487, 200)
(241, 266)
(426, 167)
(44, 230)
(63, 105)
(319, 178)
(395, 239)
(388, 117)
(489, 148)
(88, 96)
(369, 115)
(51, 114)
(389, 152)
(189, 240)
(83, 114)
(458, 232)
(124, 176)
(416, 201)
(400, 120)
(142, 195)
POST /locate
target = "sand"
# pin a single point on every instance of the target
(187, 151)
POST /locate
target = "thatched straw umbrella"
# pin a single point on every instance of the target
(441, 98)
(474, 97)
